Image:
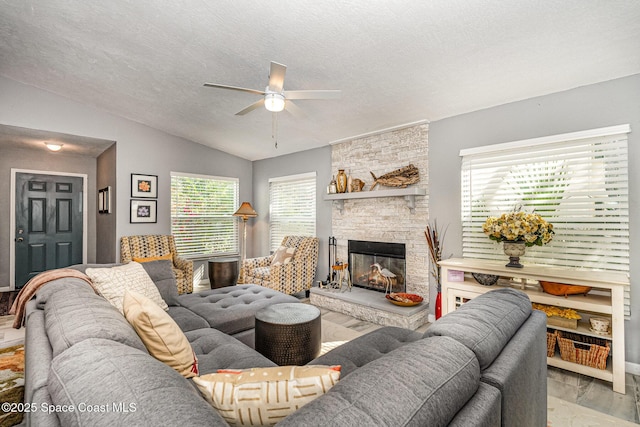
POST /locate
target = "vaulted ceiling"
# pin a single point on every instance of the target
(396, 62)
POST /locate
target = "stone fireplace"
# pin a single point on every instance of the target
(382, 219)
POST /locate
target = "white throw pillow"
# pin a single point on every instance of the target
(264, 396)
(114, 281)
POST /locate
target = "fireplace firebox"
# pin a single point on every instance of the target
(390, 257)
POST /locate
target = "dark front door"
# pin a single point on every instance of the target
(49, 230)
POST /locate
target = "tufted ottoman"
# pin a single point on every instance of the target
(231, 309)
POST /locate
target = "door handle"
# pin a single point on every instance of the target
(19, 239)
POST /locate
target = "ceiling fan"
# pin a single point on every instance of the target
(275, 98)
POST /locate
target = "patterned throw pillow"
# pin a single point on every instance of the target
(283, 255)
(160, 334)
(114, 281)
(264, 396)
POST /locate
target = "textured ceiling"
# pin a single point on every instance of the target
(395, 61)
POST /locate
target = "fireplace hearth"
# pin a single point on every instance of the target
(389, 256)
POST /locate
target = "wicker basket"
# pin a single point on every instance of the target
(584, 350)
(551, 342)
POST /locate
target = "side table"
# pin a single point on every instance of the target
(223, 272)
(288, 333)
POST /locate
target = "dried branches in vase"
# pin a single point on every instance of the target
(435, 238)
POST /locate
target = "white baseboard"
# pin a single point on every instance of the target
(431, 318)
(632, 368)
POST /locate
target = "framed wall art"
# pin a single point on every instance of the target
(104, 200)
(144, 186)
(144, 211)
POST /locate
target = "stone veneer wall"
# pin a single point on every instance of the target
(386, 219)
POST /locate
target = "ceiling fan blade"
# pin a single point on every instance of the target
(294, 109)
(251, 107)
(276, 76)
(241, 89)
(312, 94)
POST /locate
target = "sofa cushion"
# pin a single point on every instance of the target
(159, 333)
(161, 272)
(447, 377)
(67, 283)
(72, 317)
(187, 319)
(217, 350)
(112, 282)
(264, 396)
(484, 409)
(486, 323)
(232, 309)
(124, 387)
(366, 348)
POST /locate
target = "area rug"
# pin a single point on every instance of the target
(11, 382)
(6, 300)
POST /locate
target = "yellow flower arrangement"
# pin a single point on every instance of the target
(519, 226)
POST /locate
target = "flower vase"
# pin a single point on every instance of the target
(438, 305)
(514, 250)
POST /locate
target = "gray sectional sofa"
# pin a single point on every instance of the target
(483, 365)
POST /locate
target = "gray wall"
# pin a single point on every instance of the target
(140, 149)
(317, 160)
(106, 223)
(599, 105)
(41, 160)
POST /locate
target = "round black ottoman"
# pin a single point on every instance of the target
(288, 333)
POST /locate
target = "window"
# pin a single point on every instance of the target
(202, 220)
(292, 207)
(578, 182)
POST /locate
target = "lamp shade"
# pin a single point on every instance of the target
(245, 211)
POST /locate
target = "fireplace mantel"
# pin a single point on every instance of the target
(408, 193)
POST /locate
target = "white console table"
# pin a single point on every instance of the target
(605, 300)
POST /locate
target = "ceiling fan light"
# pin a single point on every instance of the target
(274, 102)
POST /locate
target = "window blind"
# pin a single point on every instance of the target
(292, 207)
(202, 220)
(578, 185)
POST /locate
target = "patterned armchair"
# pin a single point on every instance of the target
(289, 278)
(158, 246)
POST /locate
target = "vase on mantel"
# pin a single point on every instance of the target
(341, 181)
(514, 250)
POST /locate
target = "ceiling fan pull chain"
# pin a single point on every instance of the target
(274, 129)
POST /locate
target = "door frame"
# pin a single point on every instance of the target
(12, 226)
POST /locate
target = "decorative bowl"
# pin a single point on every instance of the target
(559, 289)
(403, 299)
(486, 279)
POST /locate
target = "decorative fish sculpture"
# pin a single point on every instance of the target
(398, 178)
